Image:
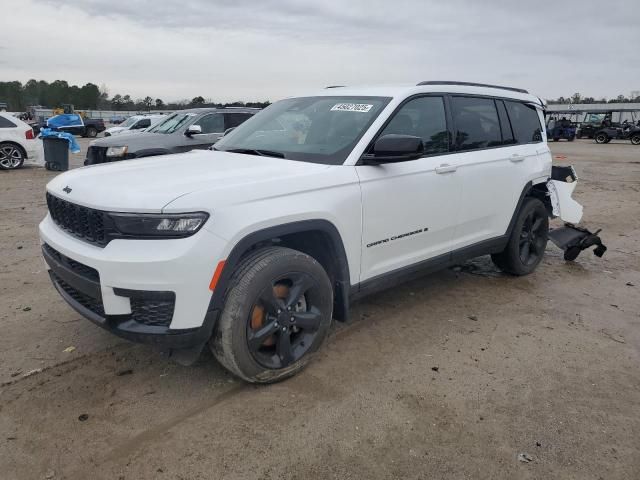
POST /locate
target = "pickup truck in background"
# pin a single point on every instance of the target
(74, 124)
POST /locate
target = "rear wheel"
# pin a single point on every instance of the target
(528, 240)
(602, 138)
(635, 139)
(91, 132)
(11, 156)
(276, 315)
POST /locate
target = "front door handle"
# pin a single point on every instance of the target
(446, 168)
(515, 158)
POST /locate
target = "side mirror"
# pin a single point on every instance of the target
(193, 130)
(228, 130)
(395, 148)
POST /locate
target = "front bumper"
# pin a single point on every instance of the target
(148, 291)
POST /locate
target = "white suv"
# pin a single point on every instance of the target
(133, 124)
(254, 246)
(17, 143)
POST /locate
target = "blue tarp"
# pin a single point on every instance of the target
(65, 120)
(49, 133)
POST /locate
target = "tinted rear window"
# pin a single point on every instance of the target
(6, 123)
(525, 122)
(476, 123)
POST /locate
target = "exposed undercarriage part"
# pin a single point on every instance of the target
(574, 239)
(570, 238)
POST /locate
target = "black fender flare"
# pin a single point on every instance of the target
(342, 282)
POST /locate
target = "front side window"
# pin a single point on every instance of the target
(525, 122)
(172, 123)
(308, 129)
(144, 123)
(213, 123)
(422, 117)
(476, 122)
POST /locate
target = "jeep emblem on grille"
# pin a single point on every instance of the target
(67, 189)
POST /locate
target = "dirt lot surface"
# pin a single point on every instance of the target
(450, 376)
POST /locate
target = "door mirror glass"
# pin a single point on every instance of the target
(396, 148)
(193, 130)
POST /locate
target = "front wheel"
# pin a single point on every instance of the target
(276, 315)
(635, 139)
(528, 240)
(602, 138)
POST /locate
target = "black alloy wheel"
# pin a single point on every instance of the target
(284, 321)
(533, 237)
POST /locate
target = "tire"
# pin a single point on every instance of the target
(11, 156)
(635, 139)
(571, 139)
(601, 138)
(528, 240)
(555, 139)
(91, 132)
(263, 315)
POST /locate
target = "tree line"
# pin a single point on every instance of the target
(577, 98)
(91, 97)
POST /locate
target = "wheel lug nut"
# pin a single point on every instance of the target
(284, 329)
(292, 319)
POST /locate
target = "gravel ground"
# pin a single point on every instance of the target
(467, 373)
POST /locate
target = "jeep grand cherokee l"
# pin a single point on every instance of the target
(253, 247)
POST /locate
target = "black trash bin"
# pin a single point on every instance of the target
(56, 154)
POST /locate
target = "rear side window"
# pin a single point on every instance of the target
(507, 133)
(6, 123)
(525, 122)
(422, 117)
(235, 119)
(476, 123)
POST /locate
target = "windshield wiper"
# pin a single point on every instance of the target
(252, 151)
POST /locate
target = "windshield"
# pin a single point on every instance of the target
(172, 123)
(308, 129)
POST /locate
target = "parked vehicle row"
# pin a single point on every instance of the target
(179, 132)
(254, 246)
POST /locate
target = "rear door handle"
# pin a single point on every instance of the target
(446, 168)
(515, 158)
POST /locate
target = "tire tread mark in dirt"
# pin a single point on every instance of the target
(128, 447)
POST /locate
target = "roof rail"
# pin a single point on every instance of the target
(334, 86)
(472, 84)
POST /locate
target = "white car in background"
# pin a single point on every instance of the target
(133, 124)
(17, 143)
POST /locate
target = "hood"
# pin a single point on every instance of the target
(131, 140)
(149, 184)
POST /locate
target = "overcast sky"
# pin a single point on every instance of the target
(267, 49)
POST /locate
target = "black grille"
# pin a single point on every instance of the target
(88, 302)
(79, 268)
(82, 222)
(152, 312)
(96, 155)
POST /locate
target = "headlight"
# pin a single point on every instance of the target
(158, 225)
(116, 151)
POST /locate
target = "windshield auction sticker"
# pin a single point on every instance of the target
(351, 107)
